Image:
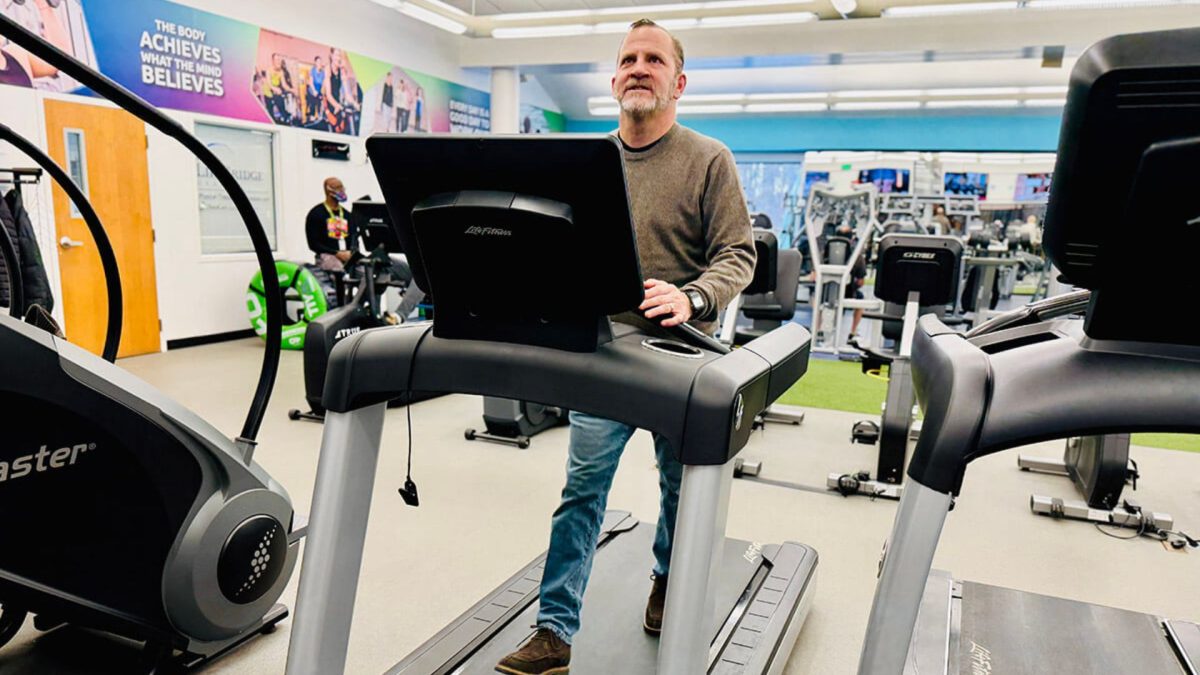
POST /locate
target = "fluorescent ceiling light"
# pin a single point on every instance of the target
(976, 91)
(678, 24)
(555, 14)
(612, 27)
(954, 8)
(878, 105)
(1044, 90)
(800, 96)
(786, 107)
(432, 18)
(879, 93)
(731, 4)
(390, 4)
(978, 103)
(650, 9)
(542, 31)
(711, 98)
(446, 6)
(1102, 4)
(708, 109)
(643, 10)
(1045, 103)
(756, 19)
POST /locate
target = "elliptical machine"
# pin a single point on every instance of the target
(176, 538)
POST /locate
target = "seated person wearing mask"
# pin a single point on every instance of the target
(331, 235)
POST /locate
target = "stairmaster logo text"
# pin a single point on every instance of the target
(476, 230)
(45, 459)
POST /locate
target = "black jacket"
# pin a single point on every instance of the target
(33, 272)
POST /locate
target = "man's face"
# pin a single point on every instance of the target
(646, 81)
(334, 187)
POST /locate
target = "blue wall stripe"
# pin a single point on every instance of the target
(1019, 132)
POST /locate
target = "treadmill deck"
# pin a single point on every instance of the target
(768, 588)
(968, 628)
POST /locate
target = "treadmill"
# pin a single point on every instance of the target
(474, 209)
(1131, 130)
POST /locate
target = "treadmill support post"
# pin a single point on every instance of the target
(336, 531)
(906, 565)
(695, 561)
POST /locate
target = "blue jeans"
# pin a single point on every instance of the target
(592, 456)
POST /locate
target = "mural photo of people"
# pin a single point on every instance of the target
(304, 84)
(60, 22)
(399, 105)
(182, 58)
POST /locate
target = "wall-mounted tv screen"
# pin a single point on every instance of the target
(886, 180)
(813, 177)
(1033, 187)
(961, 183)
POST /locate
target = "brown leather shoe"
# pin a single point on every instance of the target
(544, 654)
(654, 606)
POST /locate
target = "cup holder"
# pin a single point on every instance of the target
(672, 348)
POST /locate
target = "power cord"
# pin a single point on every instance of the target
(1176, 538)
(409, 491)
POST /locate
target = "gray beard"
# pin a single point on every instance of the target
(639, 111)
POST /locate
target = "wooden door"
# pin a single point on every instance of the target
(108, 150)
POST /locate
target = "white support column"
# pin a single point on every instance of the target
(506, 100)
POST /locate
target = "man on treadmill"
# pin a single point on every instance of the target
(697, 251)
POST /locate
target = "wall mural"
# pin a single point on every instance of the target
(186, 59)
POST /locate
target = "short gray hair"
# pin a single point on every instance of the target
(649, 23)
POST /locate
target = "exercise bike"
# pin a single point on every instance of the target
(916, 275)
(363, 310)
(127, 513)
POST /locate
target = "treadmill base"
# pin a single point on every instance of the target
(966, 628)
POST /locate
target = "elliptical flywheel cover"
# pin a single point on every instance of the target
(252, 559)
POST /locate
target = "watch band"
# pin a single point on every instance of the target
(698, 302)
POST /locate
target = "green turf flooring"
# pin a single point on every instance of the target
(841, 385)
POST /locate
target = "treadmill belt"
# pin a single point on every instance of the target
(611, 639)
(1013, 632)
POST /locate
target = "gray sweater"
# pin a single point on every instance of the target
(690, 215)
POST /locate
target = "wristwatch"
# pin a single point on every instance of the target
(699, 304)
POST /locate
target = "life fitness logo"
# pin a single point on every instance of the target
(43, 460)
(739, 411)
(477, 231)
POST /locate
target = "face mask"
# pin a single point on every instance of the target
(338, 197)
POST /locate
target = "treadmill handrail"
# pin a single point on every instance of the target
(1043, 310)
(1040, 387)
(691, 400)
